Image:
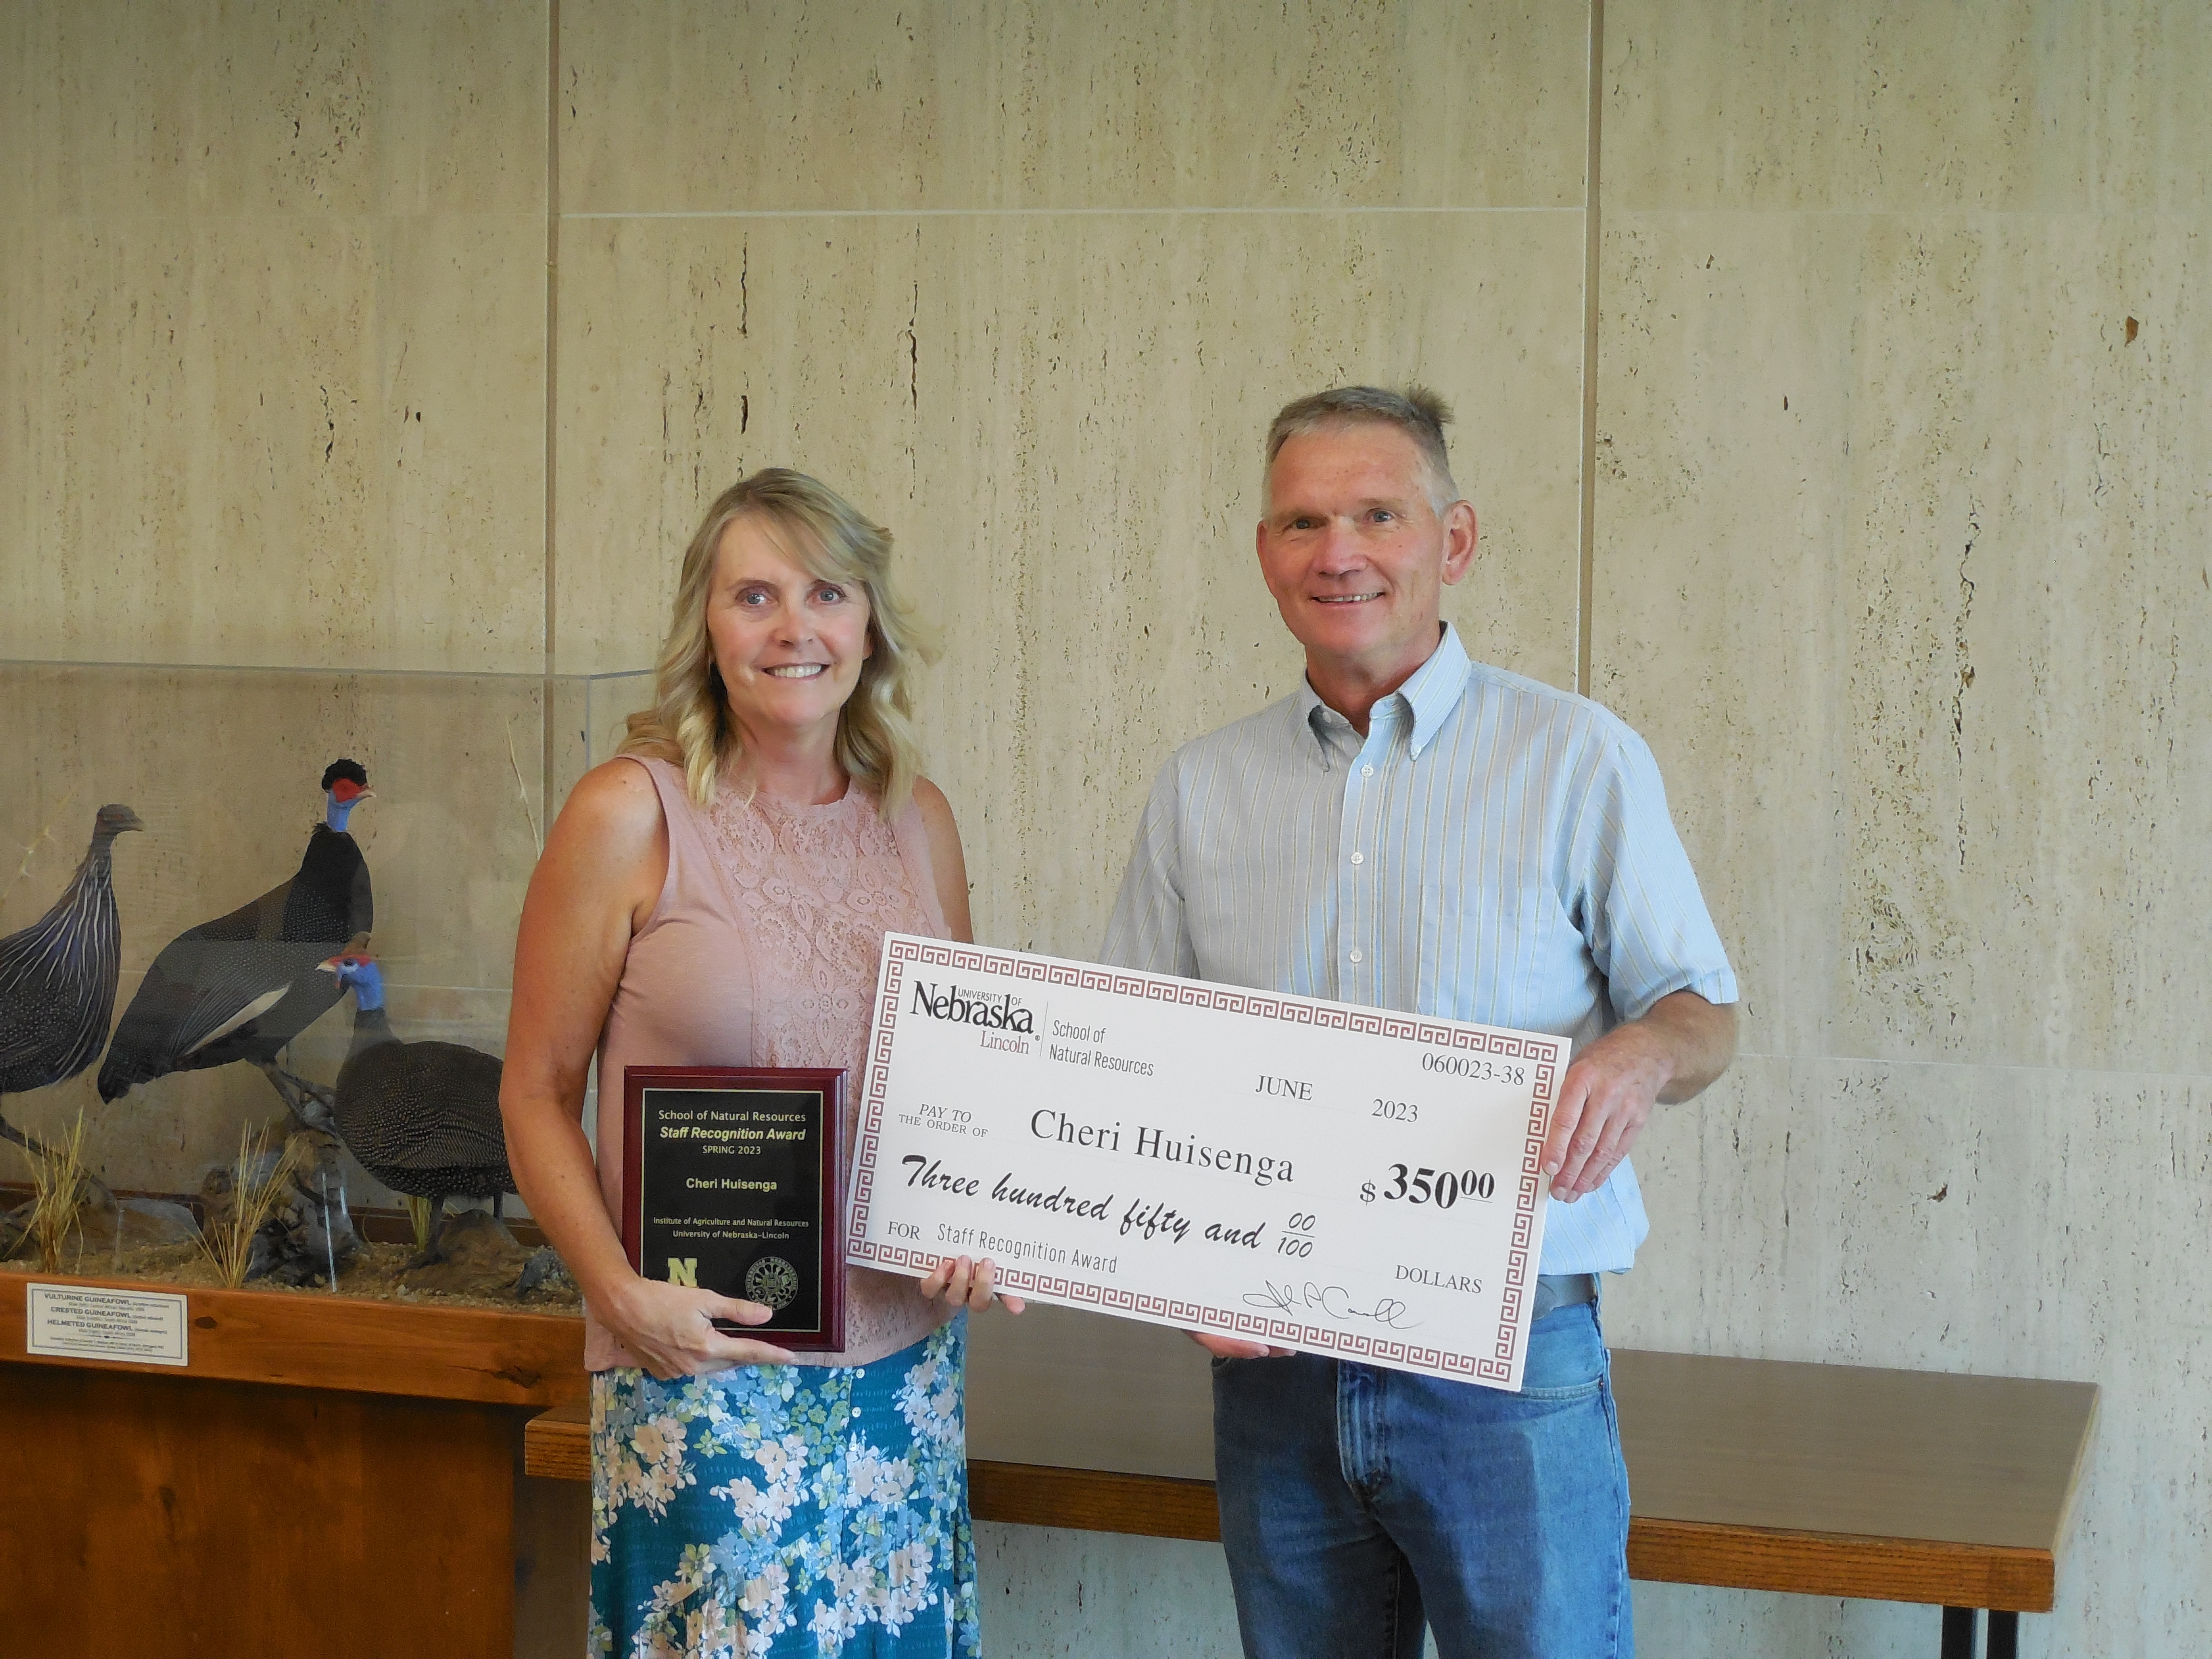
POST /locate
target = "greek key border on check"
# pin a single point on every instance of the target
(1227, 999)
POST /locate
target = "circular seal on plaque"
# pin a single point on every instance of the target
(773, 1281)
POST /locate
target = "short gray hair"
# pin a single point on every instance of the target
(1417, 412)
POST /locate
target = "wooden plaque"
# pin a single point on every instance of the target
(731, 1181)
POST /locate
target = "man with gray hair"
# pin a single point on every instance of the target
(1417, 831)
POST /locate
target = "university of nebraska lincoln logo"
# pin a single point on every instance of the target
(1002, 1011)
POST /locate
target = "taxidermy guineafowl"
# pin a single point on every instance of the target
(58, 975)
(422, 1117)
(244, 985)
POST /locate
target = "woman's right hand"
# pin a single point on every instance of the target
(668, 1330)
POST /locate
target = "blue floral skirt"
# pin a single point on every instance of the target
(791, 1512)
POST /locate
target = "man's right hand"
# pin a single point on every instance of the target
(1229, 1348)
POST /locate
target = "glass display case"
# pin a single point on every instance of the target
(225, 1020)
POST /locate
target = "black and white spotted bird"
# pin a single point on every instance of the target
(244, 985)
(422, 1117)
(58, 975)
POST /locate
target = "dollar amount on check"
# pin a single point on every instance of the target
(1314, 1175)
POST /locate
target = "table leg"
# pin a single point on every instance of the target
(1959, 1625)
(2004, 1635)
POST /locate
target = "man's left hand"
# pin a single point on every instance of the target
(1606, 1098)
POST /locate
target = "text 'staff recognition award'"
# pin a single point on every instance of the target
(731, 1181)
(1314, 1175)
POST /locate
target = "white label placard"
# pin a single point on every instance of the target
(1345, 1180)
(82, 1321)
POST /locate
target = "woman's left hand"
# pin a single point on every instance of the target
(967, 1283)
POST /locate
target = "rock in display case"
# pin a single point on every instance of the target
(256, 936)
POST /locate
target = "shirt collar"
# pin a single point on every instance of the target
(1431, 695)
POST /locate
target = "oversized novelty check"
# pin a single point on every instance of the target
(1345, 1180)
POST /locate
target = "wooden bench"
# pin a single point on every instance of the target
(1836, 1481)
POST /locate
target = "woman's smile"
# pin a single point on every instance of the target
(789, 643)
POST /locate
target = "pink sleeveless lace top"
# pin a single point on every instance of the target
(762, 952)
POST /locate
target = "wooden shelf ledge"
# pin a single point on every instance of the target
(362, 1347)
(1816, 1480)
(1841, 1564)
(558, 1444)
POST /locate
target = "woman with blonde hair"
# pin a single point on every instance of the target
(717, 894)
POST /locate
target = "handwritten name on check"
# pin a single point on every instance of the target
(1316, 1174)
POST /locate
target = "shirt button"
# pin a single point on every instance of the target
(1359, 858)
(1366, 771)
(1355, 956)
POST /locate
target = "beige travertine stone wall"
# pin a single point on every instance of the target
(782, 107)
(1027, 284)
(1914, 645)
(1902, 521)
(271, 372)
(1058, 419)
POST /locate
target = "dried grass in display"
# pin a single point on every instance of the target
(59, 1189)
(418, 1212)
(226, 1239)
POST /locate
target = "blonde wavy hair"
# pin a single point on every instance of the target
(690, 724)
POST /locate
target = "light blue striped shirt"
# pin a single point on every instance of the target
(1493, 850)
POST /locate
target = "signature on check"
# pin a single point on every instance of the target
(1332, 1300)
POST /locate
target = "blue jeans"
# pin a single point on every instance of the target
(1358, 1502)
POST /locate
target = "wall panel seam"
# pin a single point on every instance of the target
(551, 644)
(1058, 212)
(2054, 1069)
(1586, 549)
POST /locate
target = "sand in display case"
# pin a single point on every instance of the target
(257, 930)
